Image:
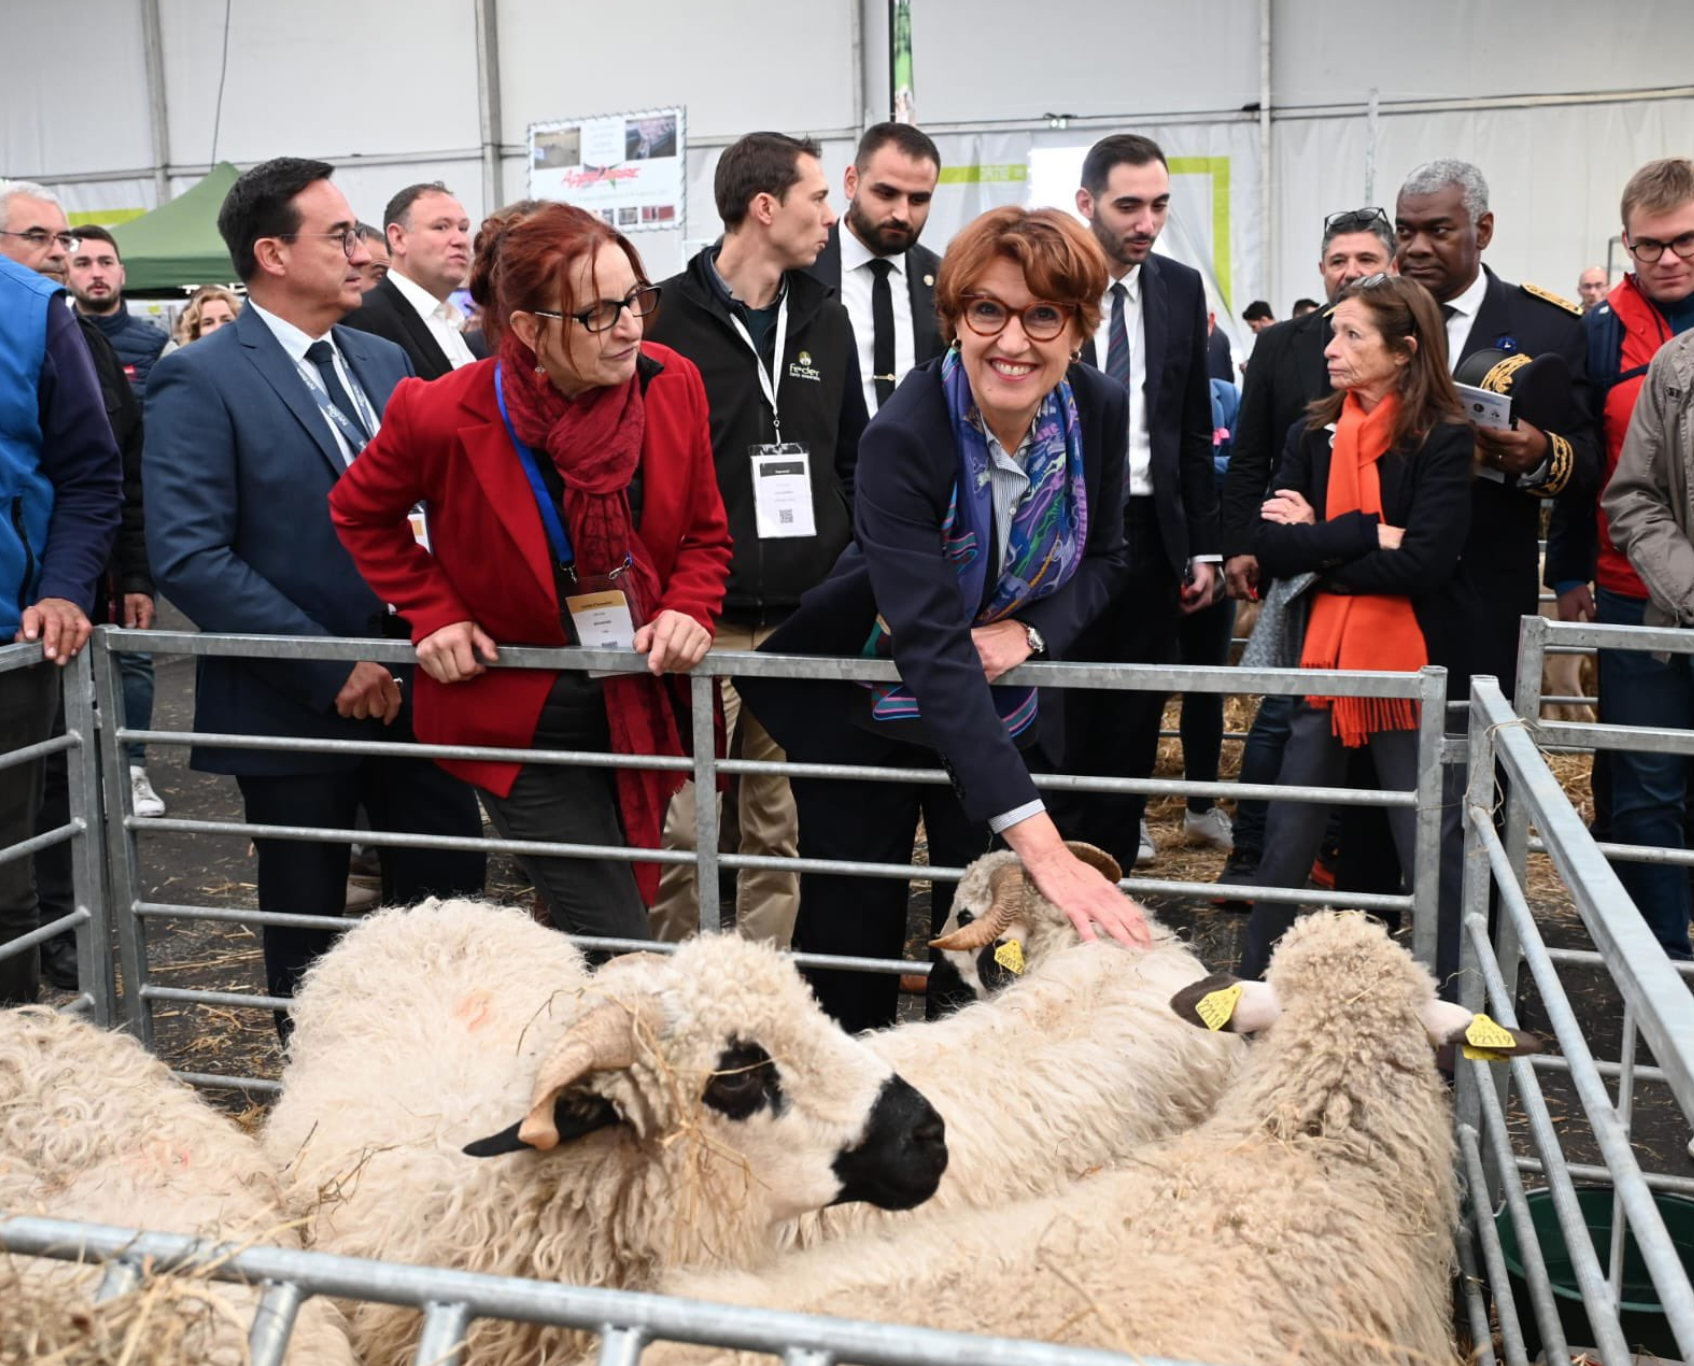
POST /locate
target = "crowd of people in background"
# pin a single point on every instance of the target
(819, 437)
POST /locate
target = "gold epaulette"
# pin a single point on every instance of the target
(1547, 296)
(1560, 465)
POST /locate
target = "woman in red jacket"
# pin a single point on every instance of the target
(574, 463)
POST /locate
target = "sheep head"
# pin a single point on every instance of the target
(1000, 923)
(718, 1064)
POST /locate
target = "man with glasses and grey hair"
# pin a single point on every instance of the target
(247, 432)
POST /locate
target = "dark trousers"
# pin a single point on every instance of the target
(1316, 758)
(28, 700)
(301, 878)
(1203, 639)
(1116, 734)
(565, 804)
(866, 917)
(1261, 761)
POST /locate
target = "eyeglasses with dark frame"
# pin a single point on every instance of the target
(40, 237)
(1355, 220)
(1042, 321)
(1650, 249)
(603, 316)
(349, 238)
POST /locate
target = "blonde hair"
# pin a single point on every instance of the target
(187, 327)
(1658, 187)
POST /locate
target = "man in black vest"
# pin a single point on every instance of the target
(889, 188)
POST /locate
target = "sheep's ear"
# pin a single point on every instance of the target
(573, 1117)
(1448, 1023)
(1222, 1002)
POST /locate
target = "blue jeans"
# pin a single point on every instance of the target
(1261, 761)
(1649, 791)
(135, 672)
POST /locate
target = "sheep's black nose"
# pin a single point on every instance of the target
(899, 1161)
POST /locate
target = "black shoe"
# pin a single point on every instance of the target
(58, 961)
(1241, 869)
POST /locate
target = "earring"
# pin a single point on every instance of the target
(1076, 356)
(541, 369)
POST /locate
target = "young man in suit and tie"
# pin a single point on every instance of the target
(1152, 339)
(247, 431)
(889, 188)
(429, 249)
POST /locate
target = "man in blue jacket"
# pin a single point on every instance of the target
(95, 276)
(60, 491)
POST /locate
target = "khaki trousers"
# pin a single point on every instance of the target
(765, 902)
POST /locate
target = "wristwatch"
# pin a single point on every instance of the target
(1037, 641)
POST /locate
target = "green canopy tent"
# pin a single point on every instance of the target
(177, 244)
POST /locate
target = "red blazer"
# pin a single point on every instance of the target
(443, 443)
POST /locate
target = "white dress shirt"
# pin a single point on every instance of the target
(444, 320)
(1464, 317)
(1138, 472)
(857, 280)
(295, 342)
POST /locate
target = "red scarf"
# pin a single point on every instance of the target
(594, 442)
(1369, 632)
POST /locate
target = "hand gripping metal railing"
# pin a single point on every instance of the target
(1657, 1008)
(133, 911)
(87, 918)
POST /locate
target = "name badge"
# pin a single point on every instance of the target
(782, 491)
(602, 621)
(418, 519)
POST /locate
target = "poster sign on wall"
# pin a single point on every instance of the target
(628, 168)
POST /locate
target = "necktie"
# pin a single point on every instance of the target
(882, 330)
(1117, 338)
(322, 355)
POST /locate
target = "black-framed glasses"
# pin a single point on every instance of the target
(987, 317)
(40, 237)
(348, 237)
(1650, 249)
(603, 316)
(1355, 220)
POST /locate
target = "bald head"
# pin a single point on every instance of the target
(1591, 286)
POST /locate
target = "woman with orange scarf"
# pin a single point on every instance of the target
(1372, 495)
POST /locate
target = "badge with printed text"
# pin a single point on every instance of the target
(782, 491)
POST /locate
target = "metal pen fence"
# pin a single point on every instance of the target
(135, 912)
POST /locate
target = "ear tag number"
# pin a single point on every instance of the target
(1483, 1037)
(1010, 956)
(1216, 1007)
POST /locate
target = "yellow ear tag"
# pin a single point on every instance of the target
(1483, 1037)
(1010, 956)
(1216, 1007)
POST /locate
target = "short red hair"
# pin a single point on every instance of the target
(526, 258)
(1060, 260)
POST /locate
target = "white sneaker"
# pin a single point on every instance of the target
(142, 797)
(1148, 850)
(361, 899)
(1210, 827)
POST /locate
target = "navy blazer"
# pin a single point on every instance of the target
(1178, 404)
(906, 472)
(238, 468)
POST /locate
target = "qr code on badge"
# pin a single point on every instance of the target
(785, 516)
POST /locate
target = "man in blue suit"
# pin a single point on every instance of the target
(247, 431)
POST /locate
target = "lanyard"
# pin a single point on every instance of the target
(768, 382)
(355, 439)
(550, 519)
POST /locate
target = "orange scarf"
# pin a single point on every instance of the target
(1363, 632)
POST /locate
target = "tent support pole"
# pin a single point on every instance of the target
(153, 42)
(488, 103)
(1267, 211)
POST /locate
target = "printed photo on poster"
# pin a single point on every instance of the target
(629, 168)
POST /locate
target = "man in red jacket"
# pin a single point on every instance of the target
(1641, 797)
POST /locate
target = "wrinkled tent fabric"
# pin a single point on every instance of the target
(177, 244)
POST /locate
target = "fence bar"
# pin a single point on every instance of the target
(620, 1346)
(1476, 1305)
(1426, 859)
(1599, 1176)
(214, 1081)
(1493, 1255)
(122, 863)
(120, 1278)
(267, 1343)
(703, 741)
(42, 933)
(214, 998)
(1625, 1109)
(14, 758)
(59, 834)
(443, 1339)
(88, 872)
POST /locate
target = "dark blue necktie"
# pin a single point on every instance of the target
(322, 355)
(1117, 338)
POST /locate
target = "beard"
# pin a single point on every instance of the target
(1117, 249)
(102, 303)
(885, 239)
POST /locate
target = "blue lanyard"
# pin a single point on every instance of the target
(550, 520)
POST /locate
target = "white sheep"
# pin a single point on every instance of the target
(1310, 1219)
(1064, 1066)
(94, 1128)
(682, 1111)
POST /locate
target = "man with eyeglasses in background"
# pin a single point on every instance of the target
(1288, 372)
(1639, 798)
(372, 272)
(247, 432)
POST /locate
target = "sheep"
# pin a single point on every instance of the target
(94, 1128)
(1064, 1066)
(681, 1111)
(1311, 1218)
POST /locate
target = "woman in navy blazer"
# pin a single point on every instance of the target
(987, 529)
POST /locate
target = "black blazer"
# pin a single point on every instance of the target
(386, 313)
(894, 567)
(922, 264)
(1502, 555)
(1426, 490)
(1179, 408)
(1286, 373)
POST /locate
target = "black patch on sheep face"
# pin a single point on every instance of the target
(992, 976)
(744, 1082)
(899, 1161)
